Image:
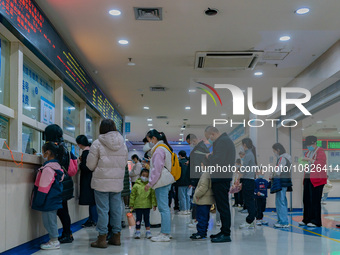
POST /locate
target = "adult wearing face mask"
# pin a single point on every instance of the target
(223, 155)
(284, 162)
(314, 180)
(136, 169)
(160, 180)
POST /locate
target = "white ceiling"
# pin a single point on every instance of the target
(164, 50)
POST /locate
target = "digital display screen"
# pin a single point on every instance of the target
(26, 21)
(334, 145)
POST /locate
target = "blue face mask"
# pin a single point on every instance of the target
(261, 176)
(210, 141)
(310, 148)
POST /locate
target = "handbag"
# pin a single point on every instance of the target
(275, 185)
(131, 219)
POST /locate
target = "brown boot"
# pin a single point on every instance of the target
(115, 239)
(100, 243)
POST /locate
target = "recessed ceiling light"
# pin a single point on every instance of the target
(149, 119)
(179, 143)
(134, 149)
(115, 12)
(126, 140)
(181, 134)
(146, 107)
(319, 121)
(88, 120)
(150, 125)
(187, 108)
(183, 128)
(123, 42)
(284, 38)
(302, 129)
(258, 73)
(131, 63)
(192, 90)
(223, 114)
(302, 11)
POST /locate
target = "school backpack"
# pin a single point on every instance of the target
(175, 167)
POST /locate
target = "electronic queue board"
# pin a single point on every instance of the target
(26, 21)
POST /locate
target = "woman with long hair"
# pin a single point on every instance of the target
(160, 179)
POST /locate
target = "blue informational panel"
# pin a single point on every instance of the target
(127, 127)
(27, 22)
(238, 132)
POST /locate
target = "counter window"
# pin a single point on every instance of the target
(38, 93)
(3, 132)
(71, 116)
(31, 140)
(4, 71)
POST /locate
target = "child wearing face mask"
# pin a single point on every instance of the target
(47, 192)
(260, 192)
(142, 201)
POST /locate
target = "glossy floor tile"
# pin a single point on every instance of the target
(263, 240)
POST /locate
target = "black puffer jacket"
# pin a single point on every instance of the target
(184, 180)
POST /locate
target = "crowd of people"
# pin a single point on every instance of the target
(162, 176)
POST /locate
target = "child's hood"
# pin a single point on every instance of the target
(52, 164)
(140, 182)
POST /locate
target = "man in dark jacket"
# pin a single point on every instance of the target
(223, 156)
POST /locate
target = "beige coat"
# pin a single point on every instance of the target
(107, 159)
(203, 191)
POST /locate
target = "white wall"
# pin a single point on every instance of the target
(18, 222)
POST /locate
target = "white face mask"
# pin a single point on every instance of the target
(144, 179)
(151, 144)
(146, 147)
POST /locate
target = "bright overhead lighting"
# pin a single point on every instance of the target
(149, 119)
(223, 114)
(126, 139)
(150, 125)
(284, 38)
(302, 129)
(258, 73)
(131, 64)
(71, 128)
(319, 121)
(134, 149)
(123, 42)
(115, 12)
(71, 108)
(181, 134)
(187, 108)
(30, 107)
(192, 90)
(88, 120)
(302, 11)
(0, 91)
(183, 128)
(179, 143)
(146, 107)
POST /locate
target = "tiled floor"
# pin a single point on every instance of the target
(263, 240)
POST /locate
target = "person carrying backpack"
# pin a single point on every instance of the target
(183, 185)
(160, 179)
(68, 161)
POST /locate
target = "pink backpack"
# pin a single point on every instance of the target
(73, 166)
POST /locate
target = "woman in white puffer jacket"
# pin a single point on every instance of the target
(107, 159)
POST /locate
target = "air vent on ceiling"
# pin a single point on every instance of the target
(274, 55)
(161, 117)
(142, 13)
(327, 130)
(227, 60)
(158, 89)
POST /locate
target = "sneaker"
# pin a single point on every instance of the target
(263, 222)
(221, 239)
(66, 239)
(247, 225)
(216, 235)
(88, 224)
(301, 223)
(123, 224)
(161, 238)
(218, 223)
(235, 205)
(244, 211)
(278, 225)
(188, 212)
(137, 235)
(198, 237)
(148, 235)
(50, 245)
(258, 223)
(192, 224)
(311, 225)
(193, 235)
